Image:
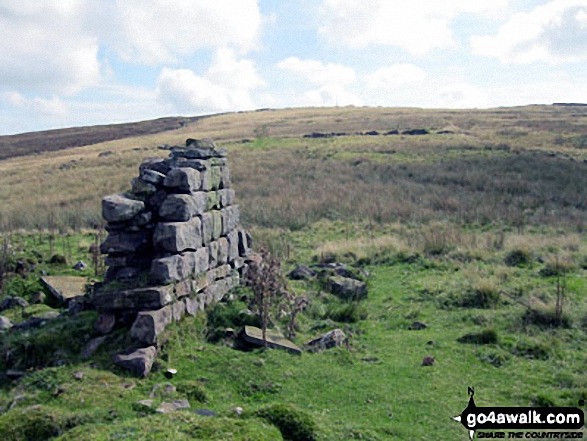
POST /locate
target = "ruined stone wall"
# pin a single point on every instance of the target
(174, 242)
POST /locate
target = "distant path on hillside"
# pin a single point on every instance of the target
(60, 139)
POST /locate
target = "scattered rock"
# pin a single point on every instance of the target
(78, 375)
(173, 406)
(38, 297)
(13, 302)
(36, 322)
(301, 272)
(372, 133)
(392, 132)
(415, 132)
(138, 361)
(428, 360)
(14, 374)
(169, 374)
(75, 306)
(80, 266)
(238, 410)
(205, 412)
(92, 346)
(347, 288)
(275, 339)
(105, 323)
(331, 339)
(5, 323)
(170, 388)
(105, 153)
(417, 326)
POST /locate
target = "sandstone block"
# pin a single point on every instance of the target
(207, 227)
(117, 208)
(138, 361)
(232, 238)
(213, 252)
(172, 268)
(182, 207)
(222, 251)
(184, 180)
(226, 197)
(178, 236)
(148, 298)
(126, 242)
(216, 224)
(150, 324)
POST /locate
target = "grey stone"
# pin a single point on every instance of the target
(232, 245)
(150, 324)
(178, 236)
(152, 176)
(183, 179)
(141, 188)
(213, 200)
(207, 227)
(173, 268)
(105, 323)
(347, 288)
(5, 323)
(92, 346)
(160, 165)
(428, 360)
(182, 207)
(178, 310)
(226, 197)
(213, 253)
(202, 261)
(126, 242)
(174, 406)
(224, 177)
(205, 412)
(191, 306)
(153, 297)
(417, 326)
(220, 272)
(138, 361)
(331, 339)
(230, 219)
(116, 208)
(216, 224)
(80, 265)
(126, 274)
(301, 272)
(274, 339)
(141, 219)
(13, 302)
(222, 251)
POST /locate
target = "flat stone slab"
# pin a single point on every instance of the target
(145, 299)
(275, 339)
(65, 288)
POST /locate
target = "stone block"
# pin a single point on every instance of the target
(202, 261)
(219, 273)
(176, 237)
(216, 224)
(121, 242)
(224, 177)
(173, 268)
(232, 238)
(222, 250)
(117, 208)
(183, 180)
(152, 176)
(213, 200)
(150, 324)
(226, 197)
(137, 361)
(142, 188)
(182, 207)
(230, 219)
(207, 227)
(154, 297)
(191, 306)
(213, 253)
(178, 310)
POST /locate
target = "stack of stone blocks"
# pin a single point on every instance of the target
(174, 242)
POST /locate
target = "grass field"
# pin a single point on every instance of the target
(473, 232)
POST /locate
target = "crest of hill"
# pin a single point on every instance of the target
(60, 139)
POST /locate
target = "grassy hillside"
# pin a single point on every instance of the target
(476, 232)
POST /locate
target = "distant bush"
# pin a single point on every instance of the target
(531, 348)
(494, 356)
(293, 423)
(545, 318)
(518, 257)
(36, 423)
(580, 142)
(483, 295)
(193, 391)
(485, 337)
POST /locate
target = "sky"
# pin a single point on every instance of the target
(67, 63)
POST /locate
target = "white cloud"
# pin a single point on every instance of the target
(318, 73)
(416, 25)
(226, 86)
(156, 31)
(395, 75)
(50, 107)
(555, 32)
(46, 47)
(332, 81)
